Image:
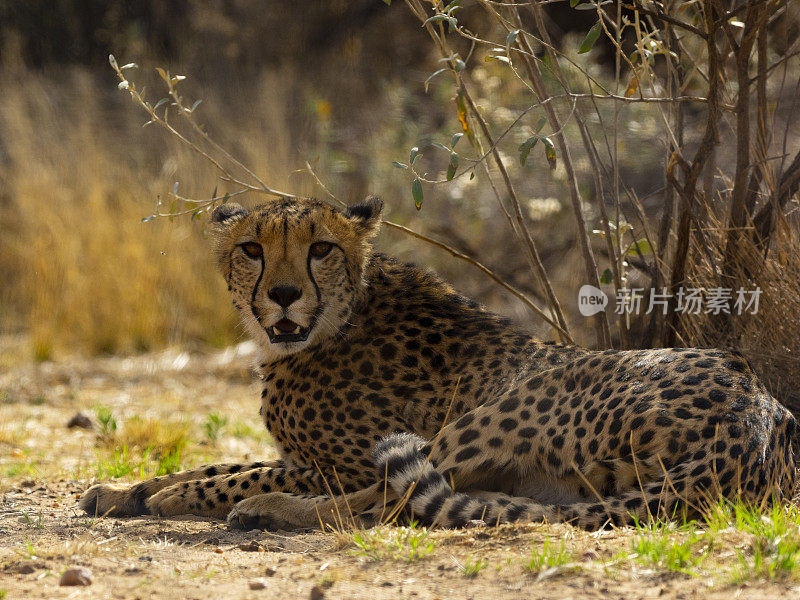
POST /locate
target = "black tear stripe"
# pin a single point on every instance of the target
(255, 291)
(311, 276)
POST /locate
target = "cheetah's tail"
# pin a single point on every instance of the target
(403, 459)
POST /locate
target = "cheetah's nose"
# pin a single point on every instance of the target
(284, 295)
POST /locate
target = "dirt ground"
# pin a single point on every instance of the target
(45, 466)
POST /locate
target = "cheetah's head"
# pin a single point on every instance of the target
(294, 267)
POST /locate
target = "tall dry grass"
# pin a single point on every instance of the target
(81, 272)
(770, 338)
(78, 172)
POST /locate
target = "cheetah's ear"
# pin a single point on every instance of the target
(366, 213)
(228, 214)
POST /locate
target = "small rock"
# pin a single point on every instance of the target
(26, 568)
(269, 571)
(317, 593)
(80, 420)
(258, 584)
(76, 576)
(474, 523)
(251, 547)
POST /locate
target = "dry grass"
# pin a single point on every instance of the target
(769, 339)
(161, 437)
(88, 275)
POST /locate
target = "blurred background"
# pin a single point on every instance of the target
(340, 84)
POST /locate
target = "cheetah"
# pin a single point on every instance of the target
(384, 389)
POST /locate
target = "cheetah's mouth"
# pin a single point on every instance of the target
(287, 330)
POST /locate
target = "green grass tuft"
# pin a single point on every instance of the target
(213, 426)
(108, 424)
(774, 548)
(397, 543)
(472, 566)
(547, 557)
(664, 546)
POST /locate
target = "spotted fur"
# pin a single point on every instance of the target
(398, 391)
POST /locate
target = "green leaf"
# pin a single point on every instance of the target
(642, 247)
(460, 65)
(452, 167)
(491, 57)
(549, 151)
(606, 277)
(574, 3)
(148, 219)
(129, 66)
(453, 5)
(585, 6)
(591, 38)
(512, 37)
(160, 102)
(455, 139)
(387, 2)
(415, 153)
(526, 147)
(432, 75)
(399, 165)
(416, 193)
(471, 175)
(435, 18)
(540, 124)
(440, 146)
(112, 61)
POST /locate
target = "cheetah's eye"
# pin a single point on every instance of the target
(320, 249)
(252, 249)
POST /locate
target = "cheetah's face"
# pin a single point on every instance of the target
(294, 267)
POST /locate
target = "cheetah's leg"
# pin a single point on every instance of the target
(215, 496)
(687, 484)
(129, 500)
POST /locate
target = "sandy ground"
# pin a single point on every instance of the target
(45, 466)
